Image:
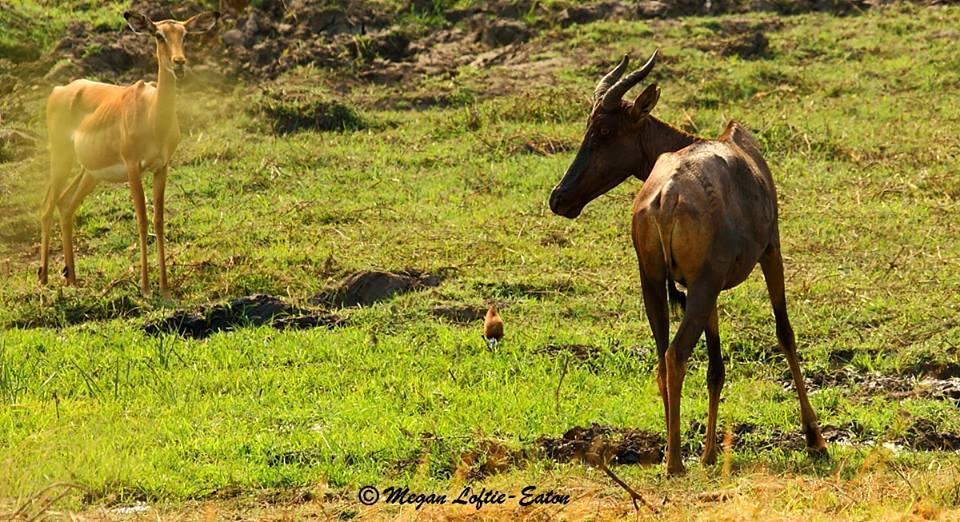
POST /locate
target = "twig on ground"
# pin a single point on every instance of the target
(634, 496)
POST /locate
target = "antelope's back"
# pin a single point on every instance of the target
(724, 180)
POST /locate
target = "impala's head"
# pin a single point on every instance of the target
(611, 150)
(170, 34)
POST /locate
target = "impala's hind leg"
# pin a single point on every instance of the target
(715, 376)
(69, 202)
(61, 161)
(772, 264)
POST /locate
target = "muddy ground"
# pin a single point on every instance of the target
(276, 35)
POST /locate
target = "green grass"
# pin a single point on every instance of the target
(858, 119)
(32, 27)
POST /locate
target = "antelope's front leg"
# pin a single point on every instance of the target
(159, 187)
(134, 178)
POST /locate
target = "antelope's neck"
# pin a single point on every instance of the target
(166, 108)
(658, 137)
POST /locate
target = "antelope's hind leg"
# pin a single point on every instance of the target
(658, 314)
(69, 202)
(715, 377)
(772, 264)
(701, 301)
(61, 162)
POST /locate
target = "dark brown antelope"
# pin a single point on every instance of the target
(116, 133)
(706, 215)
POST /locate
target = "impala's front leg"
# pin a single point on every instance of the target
(159, 187)
(134, 178)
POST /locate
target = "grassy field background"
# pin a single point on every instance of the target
(858, 117)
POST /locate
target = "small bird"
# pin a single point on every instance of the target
(492, 327)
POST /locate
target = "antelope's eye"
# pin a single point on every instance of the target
(604, 131)
(160, 36)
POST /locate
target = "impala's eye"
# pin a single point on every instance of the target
(160, 36)
(604, 131)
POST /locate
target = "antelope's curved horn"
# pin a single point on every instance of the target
(613, 95)
(610, 78)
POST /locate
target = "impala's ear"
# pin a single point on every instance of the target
(645, 103)
(202, 22)
(139, 22)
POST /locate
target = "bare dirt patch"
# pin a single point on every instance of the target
(275, 36)
(253, 310)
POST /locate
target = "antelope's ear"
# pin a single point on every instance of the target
(139, 22)
(645, 103)
(202, 22)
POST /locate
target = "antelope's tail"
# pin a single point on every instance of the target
(677, 299)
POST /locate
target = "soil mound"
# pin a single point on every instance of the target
(368, 287)
(253, 310)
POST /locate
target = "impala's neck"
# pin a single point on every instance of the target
(658, 137)
(166, 109)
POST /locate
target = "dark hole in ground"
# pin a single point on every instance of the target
(368, 287)
(253, 310)
(609, 443)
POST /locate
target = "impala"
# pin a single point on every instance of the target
(705, 216)
(116, 133)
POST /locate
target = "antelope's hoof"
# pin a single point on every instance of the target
(819, 452)
(816, 446)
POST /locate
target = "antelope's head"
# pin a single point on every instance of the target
(611, 150)
(170, 34)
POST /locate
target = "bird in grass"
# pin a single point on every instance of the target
(492, 327)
